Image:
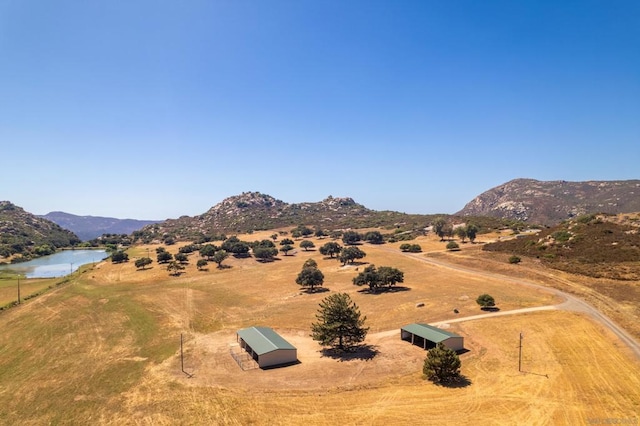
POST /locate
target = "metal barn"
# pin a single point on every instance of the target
(429, 336)
(266, 346)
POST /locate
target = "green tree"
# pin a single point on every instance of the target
(239, 249)
(374, 237)
(287, 242)
(486, 301)
(286, 249)
(472, 231)
(350, 254)
(304, 231)
(306, 245)
(330, 249)
(264, 243)
(390, 276)
(219, 257)
(405, 247)
(375, 278)
(461, 232)
(265, 254)
(181, 257)
(368, 277)
(208, 250)
(174, 268)
(164, 257)
(320, 233)
(439, 227)
(201, 264)
(310, 277)
(351, 237)
(442, 365)
(119, 257)
(452, 245)
(143, 262)
(339, 323)
(310, 263)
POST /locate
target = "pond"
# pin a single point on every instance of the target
(56, 265)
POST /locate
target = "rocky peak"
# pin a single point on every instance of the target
(551, 202)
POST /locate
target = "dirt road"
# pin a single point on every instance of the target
(571, 303)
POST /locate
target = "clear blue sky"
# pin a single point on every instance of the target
(157, 109)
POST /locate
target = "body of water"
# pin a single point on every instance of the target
(56, 265)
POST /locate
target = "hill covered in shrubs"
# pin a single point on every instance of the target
(599, 246)
(24, 236)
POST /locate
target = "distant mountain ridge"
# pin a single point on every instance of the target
(90, 227)
(550, 202)
(25, 234)
(251, 211)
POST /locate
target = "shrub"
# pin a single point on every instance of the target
(486, 301)
(452, 245)
(514, 259)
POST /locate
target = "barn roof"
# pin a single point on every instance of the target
(429, 332)
(264, 340)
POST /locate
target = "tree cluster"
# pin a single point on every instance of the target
(377, 278)
(411, 248)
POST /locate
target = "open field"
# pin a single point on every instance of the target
(9, 288)
(105, 350)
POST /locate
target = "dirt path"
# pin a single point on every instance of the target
(571, 303)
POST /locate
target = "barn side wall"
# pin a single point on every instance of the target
(277, 357)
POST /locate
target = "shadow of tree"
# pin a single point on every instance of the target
(315, 290)
(461, 381)
(360, 353)
(382, 290)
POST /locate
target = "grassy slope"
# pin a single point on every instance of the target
(97, 351)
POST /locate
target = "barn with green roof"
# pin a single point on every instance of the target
(428, 336)
(266, 347)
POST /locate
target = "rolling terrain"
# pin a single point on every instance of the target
(104, 348)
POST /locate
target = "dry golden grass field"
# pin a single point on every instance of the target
(104, 348)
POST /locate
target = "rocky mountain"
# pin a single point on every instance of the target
(90, 227)
(550, 202)
(25, 234)
(252, 211)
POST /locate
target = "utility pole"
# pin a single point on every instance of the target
(181, 355)
(520, 354)
(19, 291)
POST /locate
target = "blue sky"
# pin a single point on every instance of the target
(157, 109)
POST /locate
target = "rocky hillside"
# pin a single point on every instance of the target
(25, 235)
(90, 227)
(548, 203)
(600, 246)
(253, 211)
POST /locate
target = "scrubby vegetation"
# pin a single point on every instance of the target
(589, 245)
(24, 236)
